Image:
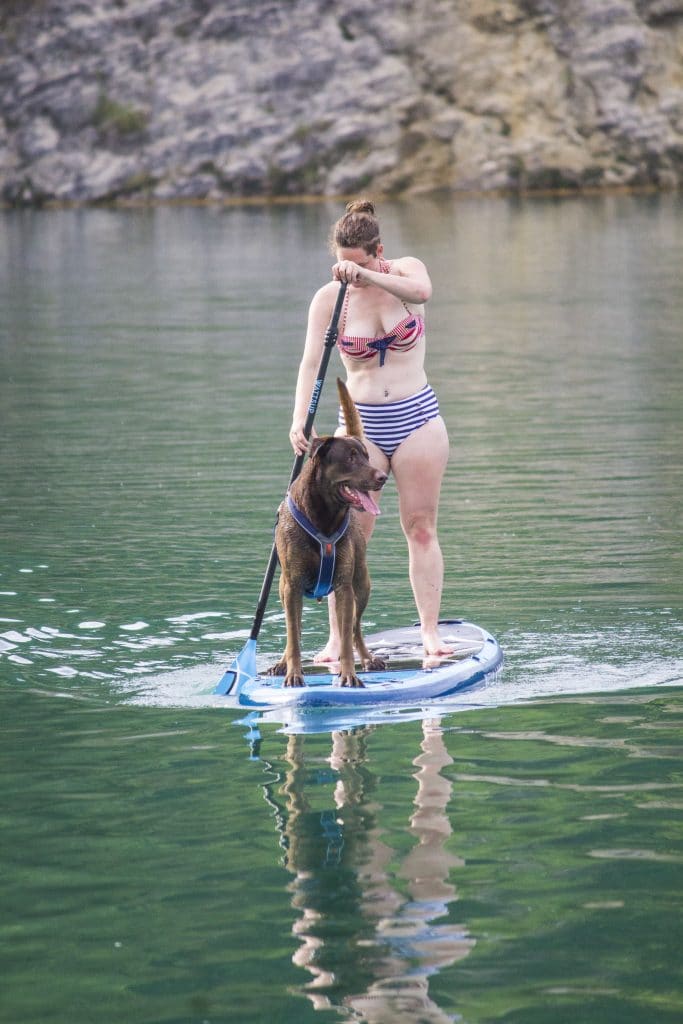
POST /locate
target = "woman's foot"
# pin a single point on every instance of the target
(435, 649)
(329, 654)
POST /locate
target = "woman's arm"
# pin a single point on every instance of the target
(319, 314)
(408, 280)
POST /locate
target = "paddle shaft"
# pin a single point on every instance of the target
(330, 340)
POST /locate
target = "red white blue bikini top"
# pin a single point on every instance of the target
(404, 336)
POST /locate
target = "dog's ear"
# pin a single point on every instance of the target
(320, 447)
(354, 425)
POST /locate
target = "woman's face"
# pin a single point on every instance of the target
(360, 257)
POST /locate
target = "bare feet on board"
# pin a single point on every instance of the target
(329, 656)
(435, 649)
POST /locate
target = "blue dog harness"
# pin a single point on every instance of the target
(328, 549)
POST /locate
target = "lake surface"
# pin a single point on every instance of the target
(513, 856)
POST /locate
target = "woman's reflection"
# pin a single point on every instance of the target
(367, 911)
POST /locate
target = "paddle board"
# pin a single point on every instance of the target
(476, 654)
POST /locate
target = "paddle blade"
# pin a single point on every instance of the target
(242, 670)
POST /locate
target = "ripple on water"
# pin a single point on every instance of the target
(175, 659)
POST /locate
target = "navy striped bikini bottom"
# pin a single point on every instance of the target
(389, 425)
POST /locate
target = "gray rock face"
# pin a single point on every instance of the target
(209, 99)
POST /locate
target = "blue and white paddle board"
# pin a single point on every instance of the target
(476, 654)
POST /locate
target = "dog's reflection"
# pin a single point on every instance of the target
(369, 912)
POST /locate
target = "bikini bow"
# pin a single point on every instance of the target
(381, 345)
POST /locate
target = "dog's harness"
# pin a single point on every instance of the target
(328, 549)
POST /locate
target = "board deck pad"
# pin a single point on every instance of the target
(405, 644)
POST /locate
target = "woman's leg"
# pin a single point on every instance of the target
(418, 465)
(330, 652)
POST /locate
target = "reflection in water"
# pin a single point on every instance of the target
(365, 927)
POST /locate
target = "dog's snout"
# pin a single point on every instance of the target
(381, 478)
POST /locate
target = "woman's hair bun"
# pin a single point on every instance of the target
(357, 228)
(361, 206)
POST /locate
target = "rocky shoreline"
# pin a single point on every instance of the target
(202, 100)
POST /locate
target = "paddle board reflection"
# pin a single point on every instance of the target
(369, 924)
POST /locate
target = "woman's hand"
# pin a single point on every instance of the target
(350, 272)
(298, 440)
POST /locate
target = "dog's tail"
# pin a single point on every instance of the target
(354, 425)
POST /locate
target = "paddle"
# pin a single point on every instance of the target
(243, 667)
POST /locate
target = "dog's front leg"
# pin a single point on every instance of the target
(346, 611)
(370, 662)
(292, 600)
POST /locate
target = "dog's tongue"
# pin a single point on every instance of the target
(366, 502)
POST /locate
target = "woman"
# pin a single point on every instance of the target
(382, 345)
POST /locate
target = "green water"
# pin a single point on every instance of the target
(518, 859)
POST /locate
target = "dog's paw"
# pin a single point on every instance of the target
(374, 664)
(351, 680)
(276, 670)
(294, 680)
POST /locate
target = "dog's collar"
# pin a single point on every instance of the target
(328, 549)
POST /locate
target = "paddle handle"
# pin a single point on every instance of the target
(329, 343)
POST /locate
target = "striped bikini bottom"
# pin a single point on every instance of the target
(389, 425)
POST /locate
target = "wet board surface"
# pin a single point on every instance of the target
(475, 654)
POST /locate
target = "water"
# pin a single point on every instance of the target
(516, 857)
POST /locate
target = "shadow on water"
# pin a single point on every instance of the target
(391, 928)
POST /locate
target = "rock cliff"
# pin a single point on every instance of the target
(203, 99)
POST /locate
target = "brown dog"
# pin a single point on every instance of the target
(321, 546)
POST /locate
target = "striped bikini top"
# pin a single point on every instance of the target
(404, 336)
